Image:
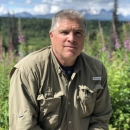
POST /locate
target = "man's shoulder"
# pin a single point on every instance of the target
(33, 59)
(40, 55)
(91, 63)
(90, 59)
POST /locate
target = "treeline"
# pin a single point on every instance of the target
(36, 30)
(98, 41)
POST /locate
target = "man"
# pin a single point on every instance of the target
(60, 87)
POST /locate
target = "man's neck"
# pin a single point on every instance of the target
(65, 62)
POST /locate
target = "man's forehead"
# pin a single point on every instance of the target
(70, 24)
(70, 21)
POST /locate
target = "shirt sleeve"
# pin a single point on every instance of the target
(102, 110)
(23, 111)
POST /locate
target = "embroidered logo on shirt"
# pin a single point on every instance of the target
(96, 78)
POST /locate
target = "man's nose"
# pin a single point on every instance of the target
(71, 37)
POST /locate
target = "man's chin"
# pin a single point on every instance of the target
(70, 55)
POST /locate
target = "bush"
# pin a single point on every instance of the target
(5, 66)
(118, 68)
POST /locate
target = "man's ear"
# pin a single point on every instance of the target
(51, 34)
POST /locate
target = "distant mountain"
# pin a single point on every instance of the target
(89, 11)
(95, 15)
(19, 15)
(124, 18)
(24, 15)
(46, 16)
(90, 14)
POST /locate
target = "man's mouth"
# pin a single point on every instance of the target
(73, 47)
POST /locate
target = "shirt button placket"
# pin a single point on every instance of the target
(70, 122)
(69, 112)
(69, 116)
(70, 125)
(59, 71)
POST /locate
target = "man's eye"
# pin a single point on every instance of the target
(64, 32)
(78, 33)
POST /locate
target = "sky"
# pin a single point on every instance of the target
(52, 6)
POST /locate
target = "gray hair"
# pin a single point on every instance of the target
(67, 14)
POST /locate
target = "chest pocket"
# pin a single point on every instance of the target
(87, 98)
(49, 109)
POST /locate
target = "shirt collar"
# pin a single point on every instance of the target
(78, 64)
(57, 65)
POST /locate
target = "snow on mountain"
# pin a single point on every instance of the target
(89, 11)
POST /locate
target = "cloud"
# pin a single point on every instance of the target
(56, 5)
(124, 12)
(11, 2)
(124, 7)
(55, 9)
(28, 1)
(56, 1)
(2, 9)
(42, 8)
(53, 6)
(46, 8)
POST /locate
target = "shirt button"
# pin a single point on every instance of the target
(59, 71)
(68, 103)
(70, 122)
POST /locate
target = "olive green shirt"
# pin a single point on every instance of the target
(42, 98)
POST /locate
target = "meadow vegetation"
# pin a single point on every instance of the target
(98, 44)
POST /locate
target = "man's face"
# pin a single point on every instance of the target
(68, 39)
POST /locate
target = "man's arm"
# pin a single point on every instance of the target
(103, 110)
(22, 103)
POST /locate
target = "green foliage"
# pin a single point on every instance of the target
(35, 30)
(5, 65)
(117, 64)
(38, 29)
(119, 84)
(118, 68)
(118, 81)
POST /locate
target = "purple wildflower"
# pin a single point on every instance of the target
(129, 47)
(126, 44)
(21, 39)
(117, 45)
(104, 48)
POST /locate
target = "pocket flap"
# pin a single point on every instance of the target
(56, 95)
(40, 97)
(97, 86)
(59, 94)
